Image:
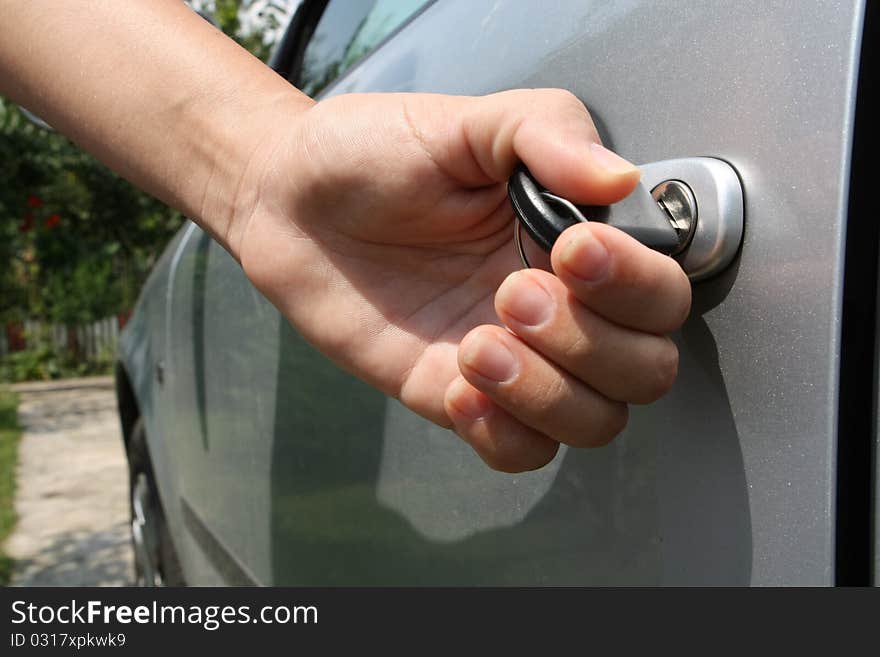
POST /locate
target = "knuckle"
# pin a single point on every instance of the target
(582, 348)
(671, 284)
(523, 98)
(545, 403)
(672, 316)
(659, 375)
(665, 371)
(679, 294)
(512, 461)
(562, 96)
(684, 308)
(561, 100)
(612, 424)
(510, 450)
(499, 462)
(664, 287)
(605, 426)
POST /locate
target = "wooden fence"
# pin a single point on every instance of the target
(88, 340)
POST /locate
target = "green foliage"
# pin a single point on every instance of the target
(40, 362)
(9, 437)
(77, 241)
(226, 14)
(44, 360)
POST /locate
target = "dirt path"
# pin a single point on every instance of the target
(72, 496)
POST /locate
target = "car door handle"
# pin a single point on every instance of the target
(688, 208)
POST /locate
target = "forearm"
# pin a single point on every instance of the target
(155, 92)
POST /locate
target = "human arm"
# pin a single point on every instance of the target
(378, 224)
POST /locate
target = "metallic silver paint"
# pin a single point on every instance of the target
(743, 448)
(309, 477)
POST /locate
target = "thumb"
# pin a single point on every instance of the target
(551, 131)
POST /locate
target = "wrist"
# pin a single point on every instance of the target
(234, 146)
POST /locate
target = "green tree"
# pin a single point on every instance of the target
(77, 241)
(226, 14)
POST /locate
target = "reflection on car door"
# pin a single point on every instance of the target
(303, 475)
(730, 479)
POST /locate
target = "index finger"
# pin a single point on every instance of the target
(621, 279)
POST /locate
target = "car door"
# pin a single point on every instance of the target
(307, 476)
(223, 346)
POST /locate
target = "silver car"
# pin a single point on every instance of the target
(254, 460)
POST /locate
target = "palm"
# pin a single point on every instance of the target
(385, 244)
(389, 294)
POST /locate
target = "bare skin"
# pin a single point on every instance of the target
(378, 224)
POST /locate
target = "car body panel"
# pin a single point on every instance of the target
(142, 348)
(304, 475)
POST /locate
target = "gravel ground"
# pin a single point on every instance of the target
(72, 495)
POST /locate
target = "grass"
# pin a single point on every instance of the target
(9, 435)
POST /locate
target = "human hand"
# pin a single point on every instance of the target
(380, 227)
(378, 224)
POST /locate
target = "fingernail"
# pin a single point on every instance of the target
(610, 160)
(525, 300)
(470, 403)
(586, 257)
(489, 358)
